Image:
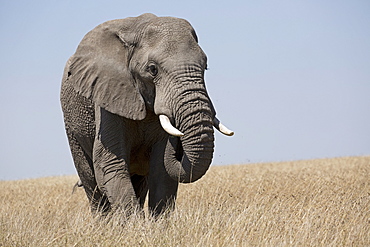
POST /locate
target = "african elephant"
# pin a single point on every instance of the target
(137, 114)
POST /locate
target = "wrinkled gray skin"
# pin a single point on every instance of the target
(124, 74)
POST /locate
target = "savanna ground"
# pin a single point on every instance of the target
(323, 202)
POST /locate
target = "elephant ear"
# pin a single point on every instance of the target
(100, 71)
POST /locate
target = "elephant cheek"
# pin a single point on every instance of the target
(161, 108)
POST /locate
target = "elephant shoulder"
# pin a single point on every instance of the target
(78, 111)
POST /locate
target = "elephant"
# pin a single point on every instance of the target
(137, 114)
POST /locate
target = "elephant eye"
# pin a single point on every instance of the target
(152, 69)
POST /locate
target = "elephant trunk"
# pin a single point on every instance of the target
(188, 157)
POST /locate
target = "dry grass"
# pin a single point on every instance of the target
(307, 203)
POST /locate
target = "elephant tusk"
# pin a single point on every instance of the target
(222, 128)
(167, 126)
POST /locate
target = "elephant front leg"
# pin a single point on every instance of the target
(140, 184)
(114, 180)
(162, 188)
(110, 158)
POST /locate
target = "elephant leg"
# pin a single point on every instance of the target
(111, 157)
(140, 184)
(84, 167)
(162, 188)
(114, 179)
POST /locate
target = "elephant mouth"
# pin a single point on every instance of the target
(179, 149)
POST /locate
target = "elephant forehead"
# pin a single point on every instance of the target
(170, 24)
(169, 30)
(168, 38)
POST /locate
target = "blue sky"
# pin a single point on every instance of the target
(291, 78)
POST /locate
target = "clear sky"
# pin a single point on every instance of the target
(291, 78)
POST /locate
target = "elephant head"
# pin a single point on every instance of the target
(148, 63)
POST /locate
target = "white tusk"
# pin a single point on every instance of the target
(167, 126)
(222, 128)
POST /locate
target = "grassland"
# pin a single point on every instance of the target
(323, 202)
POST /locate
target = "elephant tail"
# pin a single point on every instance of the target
(78, 184)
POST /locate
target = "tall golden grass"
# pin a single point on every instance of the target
(323, 202)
